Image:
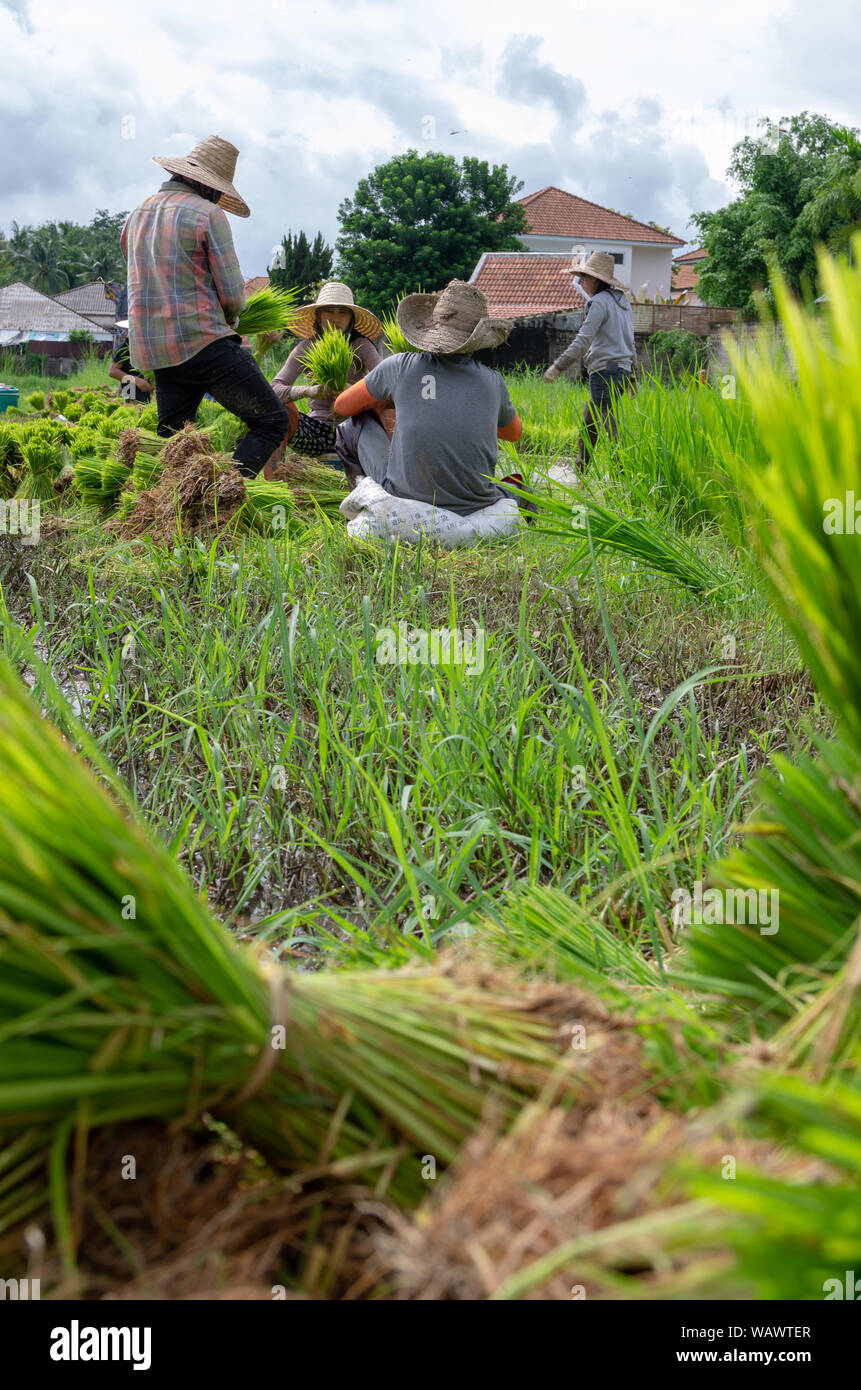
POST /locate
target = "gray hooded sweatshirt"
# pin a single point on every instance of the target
(606, 337)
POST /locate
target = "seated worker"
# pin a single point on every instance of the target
(449, 409)
(333, 307)
(133, 384)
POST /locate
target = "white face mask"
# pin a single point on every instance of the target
(579, 283)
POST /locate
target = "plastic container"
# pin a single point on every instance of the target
(8, 396)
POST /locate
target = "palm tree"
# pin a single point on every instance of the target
(833, 213)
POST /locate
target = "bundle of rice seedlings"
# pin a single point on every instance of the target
(313, 485)
(147, 470)
(112, 426)
(61, 401)
(571, 516)
(270, 310)
(121, 997)
(88, 480)
(83, 441)
(328, 361)
(73, 413)
(40, 469)
(127, 504)
(132, 442)
(91, 400)
(269, 506)
(148, 418)
(393, 336)
(115, 474)
(35, 401)
(10, 457)
(227, 432)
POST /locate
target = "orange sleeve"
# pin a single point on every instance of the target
(512, 431)
(355, 399)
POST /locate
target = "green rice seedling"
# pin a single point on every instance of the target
(88, 479)
(328, 361)
(804, 505)
(148, 418)
(73, 412)
(796, 1239)
(147, 470)
(91, 400)
(61, 400)
(587, 525)
(40, 469)
(83, 441)
(270, 310)
(227, 432)
(109, 1015)
(36, 400)
(393, 336)
(793, 891)
(269, 506)
(115, 474)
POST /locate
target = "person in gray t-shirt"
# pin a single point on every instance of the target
(449, 410)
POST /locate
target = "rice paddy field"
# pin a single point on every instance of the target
(526, 974)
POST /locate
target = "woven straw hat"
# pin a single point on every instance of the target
(335, 295)
(601, 265)
(453, 321)
(213, 163)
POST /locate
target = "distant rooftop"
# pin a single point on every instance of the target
(523, 284)
(553, 212)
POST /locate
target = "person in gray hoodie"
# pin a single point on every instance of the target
(605, 343)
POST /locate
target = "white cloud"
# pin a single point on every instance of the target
(631, 107)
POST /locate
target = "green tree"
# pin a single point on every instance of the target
(422, 220)
(303, 263)
(833, 212)
(778, 176)
(57, 256)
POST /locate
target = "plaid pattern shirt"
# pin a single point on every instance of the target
(184, 283)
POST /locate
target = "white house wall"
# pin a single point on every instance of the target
(652, 266)
(641, 265)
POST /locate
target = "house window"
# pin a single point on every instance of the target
(618, 258)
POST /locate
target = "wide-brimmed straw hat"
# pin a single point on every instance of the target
(600, 265)
(212, 163)
(335, 295)
(455, 320)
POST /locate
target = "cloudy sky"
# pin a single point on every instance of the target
(633, 106)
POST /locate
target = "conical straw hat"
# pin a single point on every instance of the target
(601, 265)
(213, 163)
(335, 295)
(452, 321)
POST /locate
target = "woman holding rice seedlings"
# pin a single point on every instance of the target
(605, 341)
(334, 308)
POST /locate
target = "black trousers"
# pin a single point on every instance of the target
(604, 387)
(229, 373)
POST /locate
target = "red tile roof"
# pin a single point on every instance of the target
(257, 282)
(686, 269)
(685, 278)
(553, 212)
(519, 284)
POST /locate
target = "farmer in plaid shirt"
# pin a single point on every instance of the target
(186, 292)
